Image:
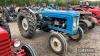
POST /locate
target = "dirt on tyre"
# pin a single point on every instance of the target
(27, 24)
(78, 36)
(29, 50)
(57, 43)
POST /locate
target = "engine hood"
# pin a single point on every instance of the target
(60, 12)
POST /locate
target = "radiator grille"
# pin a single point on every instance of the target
(5, 48)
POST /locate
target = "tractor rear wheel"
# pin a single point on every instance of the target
(57, 43)
(84, 26)
(78, 36)
(27, 24)
(93, 25)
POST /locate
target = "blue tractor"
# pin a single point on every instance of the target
(63, 25)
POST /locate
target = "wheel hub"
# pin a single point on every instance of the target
(25, 24)
(56, 44)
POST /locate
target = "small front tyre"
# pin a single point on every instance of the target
(57, 43)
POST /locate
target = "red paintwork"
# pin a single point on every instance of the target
(5, 45)
(98, 22)
(95, 11)
(20, 53)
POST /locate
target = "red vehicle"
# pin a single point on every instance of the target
(98, 21)
(12, 47)
(84, 6)
(95, 13)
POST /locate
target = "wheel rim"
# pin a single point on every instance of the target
(56, 44)
(25, 24)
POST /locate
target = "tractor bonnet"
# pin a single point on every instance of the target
(59, 13)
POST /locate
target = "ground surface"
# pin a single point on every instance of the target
(88, 46)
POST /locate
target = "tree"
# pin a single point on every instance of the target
(75, 2)
(2, 2)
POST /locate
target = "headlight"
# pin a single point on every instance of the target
(17, 43)
(74, 24)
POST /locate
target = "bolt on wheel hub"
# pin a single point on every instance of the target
(56, 44)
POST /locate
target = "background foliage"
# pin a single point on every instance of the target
(28, 2)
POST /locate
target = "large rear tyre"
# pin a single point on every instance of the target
(29, 50)
(78, 36)
(27, 24)
(57, 43)
(84, 26)
(93, 25)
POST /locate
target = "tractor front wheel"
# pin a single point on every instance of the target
(57, 43)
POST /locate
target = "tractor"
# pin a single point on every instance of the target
(61, 25)
(9, 14)
(10, 46)
(95, 13)
(87, 21)
(84, 6)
